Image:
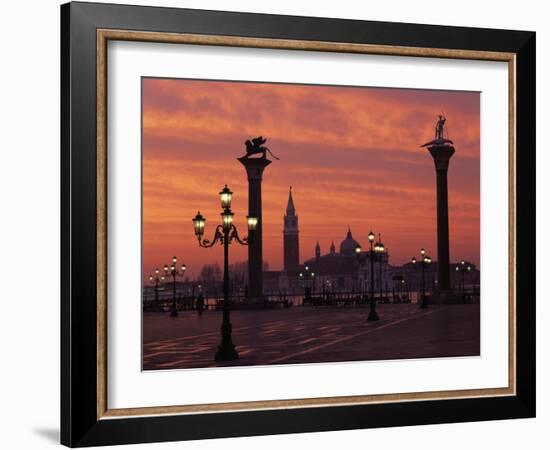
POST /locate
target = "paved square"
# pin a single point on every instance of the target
(312, 334)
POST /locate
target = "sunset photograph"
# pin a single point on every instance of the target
(302, 224)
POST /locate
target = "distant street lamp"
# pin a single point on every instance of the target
(156, 280)
(225, 234)
(463, 267)
(373, 316)
(379, 249)
(424, 261)
(174, 272)
(309, 278)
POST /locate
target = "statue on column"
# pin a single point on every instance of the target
(440, 133)
(439, 127)
(255, 146)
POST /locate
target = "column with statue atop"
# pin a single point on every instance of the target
(254, 170)
(441, 149)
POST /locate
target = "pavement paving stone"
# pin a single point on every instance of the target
(301, 335)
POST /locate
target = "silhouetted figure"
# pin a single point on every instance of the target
(255, 146)
(440, 138)
(439, 127)
(200, 304)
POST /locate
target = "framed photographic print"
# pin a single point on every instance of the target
(277, 224)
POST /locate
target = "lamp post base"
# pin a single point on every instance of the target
(373, 316)
(226, 353)
(226, 349)
(424, 302)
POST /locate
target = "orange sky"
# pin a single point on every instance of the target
(351, 154)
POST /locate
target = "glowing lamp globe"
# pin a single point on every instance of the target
(198, 224)
(227, 219)
(225, 197)
(252, 222)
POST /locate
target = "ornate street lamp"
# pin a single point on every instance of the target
(225, 234)
(156, 280)
(424, 261)
(463, 267)
(174, 272)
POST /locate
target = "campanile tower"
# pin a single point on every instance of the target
(290, 232)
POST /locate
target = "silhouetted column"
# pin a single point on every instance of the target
(254, 171)
(442, 155)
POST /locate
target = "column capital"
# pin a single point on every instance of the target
(441, 155)
(254, 167)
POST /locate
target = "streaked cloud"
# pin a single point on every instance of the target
(352, 155)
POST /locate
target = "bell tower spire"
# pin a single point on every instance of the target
(290, 210)
(290, 232)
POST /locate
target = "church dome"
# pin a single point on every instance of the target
(348, 245)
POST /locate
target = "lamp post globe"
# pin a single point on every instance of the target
(225, 197)
(198, 224)
(227, 219)
(252, 222)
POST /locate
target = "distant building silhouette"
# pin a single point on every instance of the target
(348, 245)
(344, 271)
